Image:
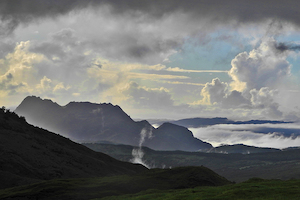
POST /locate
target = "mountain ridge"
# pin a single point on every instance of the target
(90, 122)
(30, 154)
(203, 122)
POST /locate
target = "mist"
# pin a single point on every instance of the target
(138, 153)
(260, 135)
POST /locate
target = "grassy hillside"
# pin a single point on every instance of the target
(254, 189)
(29, 154)
(235, 167)
(150, 186)
(155, 179)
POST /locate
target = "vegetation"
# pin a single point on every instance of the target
(235, 167)
(155, 179)
(257, 189)
(30, 154)
(141, 187)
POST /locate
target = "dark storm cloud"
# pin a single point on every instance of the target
(241, 10)
(287, 46)
(14, 12)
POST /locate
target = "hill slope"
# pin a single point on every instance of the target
(151, 180)
(29, 154)
(89, 122)
(235, 167)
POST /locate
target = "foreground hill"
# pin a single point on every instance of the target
(29, 154)
(239, 167)
(89, 122)
(151, 180)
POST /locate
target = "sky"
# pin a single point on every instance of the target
(156, 59)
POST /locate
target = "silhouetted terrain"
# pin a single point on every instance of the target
(90, 188)
(268, 164)
(29, 154)
(241, 148)
(202, 122)
(89, 122)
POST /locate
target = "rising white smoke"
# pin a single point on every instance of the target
(138, 153)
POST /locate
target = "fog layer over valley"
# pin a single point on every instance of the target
(260, 135)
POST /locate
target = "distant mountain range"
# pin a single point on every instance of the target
(202, 122)
(29, 154)
(90, 122)
(242, 149)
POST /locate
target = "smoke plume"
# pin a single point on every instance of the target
(138, 153)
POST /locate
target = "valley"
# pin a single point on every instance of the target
(36, 163)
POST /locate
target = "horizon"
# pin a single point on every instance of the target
(156, 60)
(269, 134)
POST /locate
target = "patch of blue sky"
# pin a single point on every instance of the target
(214, 53)
(292, 39)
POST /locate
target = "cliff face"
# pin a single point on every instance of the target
(90, 122)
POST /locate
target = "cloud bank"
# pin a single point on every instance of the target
(261, 135)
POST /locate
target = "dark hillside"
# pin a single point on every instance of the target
(151, 180)
(29, 154)
(235, 167)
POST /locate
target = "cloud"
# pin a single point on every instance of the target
(235, 99)
(241, 11)
(281, 46)
(177, 69)
(261, 67)
(15, 12)
(219, 94)
(264, 99)
(156, 98)
(8, 85)
(214, 92)
(255, 77)
(261, 135)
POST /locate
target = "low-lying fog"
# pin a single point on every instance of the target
(260, 135)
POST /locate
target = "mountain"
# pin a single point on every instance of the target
(169, 135)
(90, 122)
(202, 122)
(241, 148)
(30, 154)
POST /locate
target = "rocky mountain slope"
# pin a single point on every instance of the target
(90, 122)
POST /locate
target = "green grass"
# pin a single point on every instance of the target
(253, 189)
(142, 188)
(88, 188)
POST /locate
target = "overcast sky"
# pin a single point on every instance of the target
(156, 59)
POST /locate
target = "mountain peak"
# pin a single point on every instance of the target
(91, 122)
